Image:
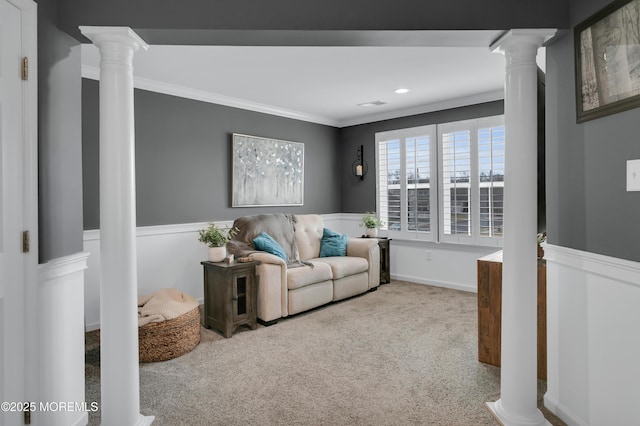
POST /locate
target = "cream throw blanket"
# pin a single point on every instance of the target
(164, 304)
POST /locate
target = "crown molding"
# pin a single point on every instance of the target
(93, 73)
(495, 95)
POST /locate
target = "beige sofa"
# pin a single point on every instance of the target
(305, 280)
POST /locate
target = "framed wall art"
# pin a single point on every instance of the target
(607, 57)
(266, 172)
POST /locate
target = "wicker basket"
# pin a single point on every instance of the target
(160, 341)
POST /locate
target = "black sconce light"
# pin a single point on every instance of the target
(359, 167)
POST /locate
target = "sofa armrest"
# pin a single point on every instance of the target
(269, 258)
(367, 248)
(273, 302)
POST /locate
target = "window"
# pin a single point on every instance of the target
(448, 188)
(405, 179)
(491, 169)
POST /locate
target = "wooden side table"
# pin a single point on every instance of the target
(385, 260)
(230, 296)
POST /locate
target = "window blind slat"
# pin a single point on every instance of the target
(491, 153)
(456, 148)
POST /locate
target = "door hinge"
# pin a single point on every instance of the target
(25, 68)
(26, 244)
(27, 414)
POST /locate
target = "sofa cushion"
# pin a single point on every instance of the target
(333, 244)
(343, 266)
(308, 231)
(264, 242)
(306, 275)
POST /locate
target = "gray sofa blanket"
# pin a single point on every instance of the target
(281, 227)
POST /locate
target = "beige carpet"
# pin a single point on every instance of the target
(405, 354)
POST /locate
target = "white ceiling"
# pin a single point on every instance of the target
(324, 84)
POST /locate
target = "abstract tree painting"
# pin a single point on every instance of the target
(267, 172)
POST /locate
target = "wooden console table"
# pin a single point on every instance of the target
(490, 311)
(230, 296)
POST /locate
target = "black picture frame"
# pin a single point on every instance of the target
(607, 61)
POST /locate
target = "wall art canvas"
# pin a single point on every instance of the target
(266, 172)
(607, 49)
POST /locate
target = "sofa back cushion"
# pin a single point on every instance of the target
(309, 229)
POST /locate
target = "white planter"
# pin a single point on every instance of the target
(372, 232)
(217, 254)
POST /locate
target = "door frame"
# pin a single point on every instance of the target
(29, 185)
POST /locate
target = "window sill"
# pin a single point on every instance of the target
(444, 245)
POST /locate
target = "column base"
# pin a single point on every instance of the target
(145, 420)
(505, 419)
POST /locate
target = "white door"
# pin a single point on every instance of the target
(14, 147)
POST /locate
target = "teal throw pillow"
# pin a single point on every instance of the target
(333, 244)
(265, 242)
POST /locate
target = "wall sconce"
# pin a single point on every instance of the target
(359, 167)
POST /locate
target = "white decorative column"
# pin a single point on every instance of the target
(119, 371)
(518, 378)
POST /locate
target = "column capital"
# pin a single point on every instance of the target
(520, 38)
(119, 35)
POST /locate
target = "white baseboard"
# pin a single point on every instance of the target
(436, 283)
(82, 420)
(569, 417)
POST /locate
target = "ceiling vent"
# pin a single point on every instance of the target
(371, 104)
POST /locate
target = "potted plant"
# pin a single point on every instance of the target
(371, 222)
(216, 238)
(541, 238)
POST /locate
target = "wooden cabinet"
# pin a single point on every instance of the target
(490, 311)
(230, 296)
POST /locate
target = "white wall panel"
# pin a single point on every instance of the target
(593, 344)
(61, 340)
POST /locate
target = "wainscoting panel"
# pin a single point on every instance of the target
(170, 256)
(61, 339)
(593, 348)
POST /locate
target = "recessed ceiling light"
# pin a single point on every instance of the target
(401, 91)
(371, 104)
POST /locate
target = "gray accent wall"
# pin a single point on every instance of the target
(359, 196)
(588, 207)
(183, 172)
(59, 138)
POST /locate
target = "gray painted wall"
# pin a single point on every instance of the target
(360, 196)
(175, 22)
(183, 159)
(588, 207)
(59, 138)
(157, 21)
